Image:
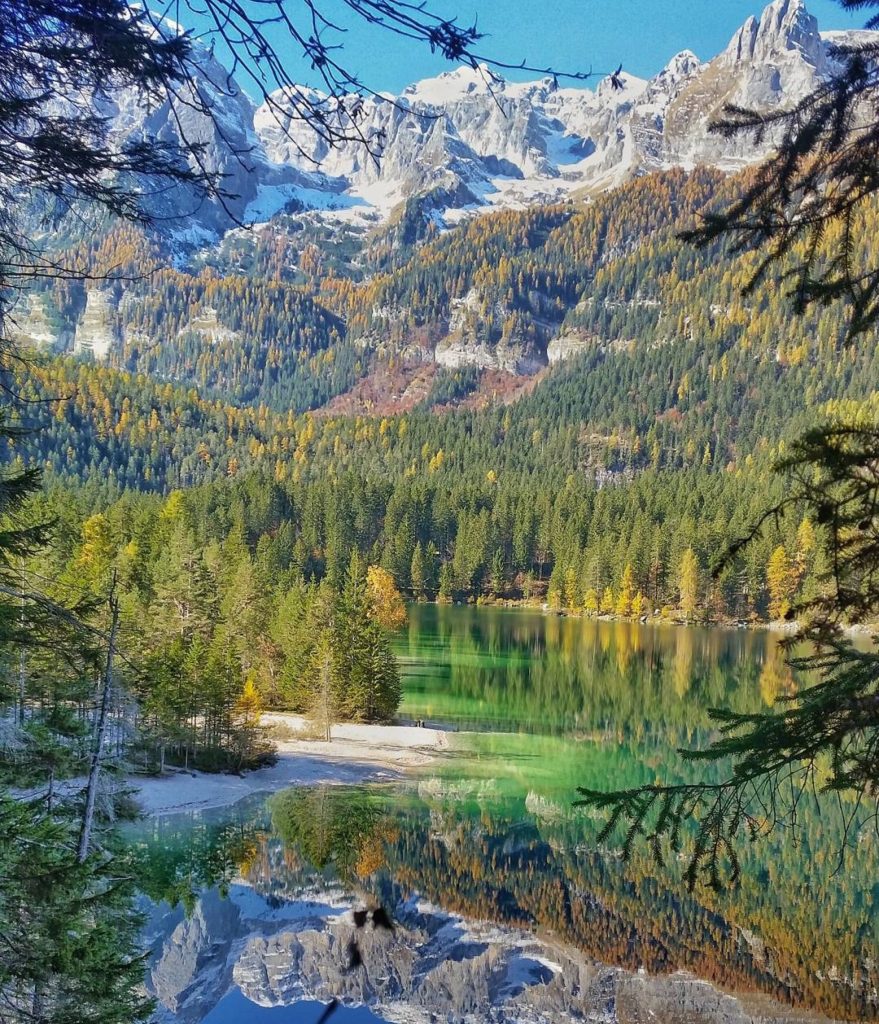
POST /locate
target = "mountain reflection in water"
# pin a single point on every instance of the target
(505, 908)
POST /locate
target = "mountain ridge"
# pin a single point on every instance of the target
(332, 289)
(467, 140)
(477, 137)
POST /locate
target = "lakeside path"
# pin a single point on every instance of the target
(357, 753)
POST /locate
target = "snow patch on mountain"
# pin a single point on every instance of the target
(468, 140)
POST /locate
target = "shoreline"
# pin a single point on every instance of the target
(357, 753)
(770, 625)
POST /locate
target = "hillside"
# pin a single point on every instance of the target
(654, 434)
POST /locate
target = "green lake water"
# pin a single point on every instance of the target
(507, 907)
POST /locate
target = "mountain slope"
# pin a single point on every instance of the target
(466, 140)
(481, 141)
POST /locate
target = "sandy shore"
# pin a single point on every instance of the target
(357, 753)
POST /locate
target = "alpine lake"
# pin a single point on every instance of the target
(505, 906)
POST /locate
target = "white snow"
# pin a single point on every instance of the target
(488, 142)
(272, 199)
(454, 85)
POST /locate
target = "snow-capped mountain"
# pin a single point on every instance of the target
(479, 142)
(465, 141)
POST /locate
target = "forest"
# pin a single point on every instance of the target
(202, 480)
(613, 486)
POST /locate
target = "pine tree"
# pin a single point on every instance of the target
(571, 589)
(417, 573)
(246, 723)
(626, 592)
(555, 594)
(71, 936)
(446, 583)
(688, 583)
(497, 578)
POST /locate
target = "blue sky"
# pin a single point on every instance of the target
(563, 34)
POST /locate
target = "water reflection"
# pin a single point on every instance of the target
(495, 918)
(506, 907)
(518, 670)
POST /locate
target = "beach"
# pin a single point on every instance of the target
(356, 753)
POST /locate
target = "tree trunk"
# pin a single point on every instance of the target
(325, 693)
(37, 1008)
(97, 752)
(21, 673)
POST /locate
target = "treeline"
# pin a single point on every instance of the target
(626, 548)
(576, 494)
(604, 416)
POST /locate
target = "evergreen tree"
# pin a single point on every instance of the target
(780, 582)
(71, 939)
(688, 585)
(417, 573)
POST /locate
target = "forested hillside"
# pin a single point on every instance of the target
(613, 485)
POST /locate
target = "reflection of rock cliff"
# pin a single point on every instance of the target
(434, 966)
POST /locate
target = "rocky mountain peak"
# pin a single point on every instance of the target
(681, 67)
(784, 28)
(455, 85)
(466, 139)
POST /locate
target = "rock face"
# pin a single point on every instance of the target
(467, 341)
(502, 143)
(207, 325)
(97, 330)
(215, 114)
(433, 966)
(32, 325)
(465, 141)
(770, 63)
(565, 346)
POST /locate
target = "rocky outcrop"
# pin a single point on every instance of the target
(97, 331)
(485, 336)
(32, 325)
(453, 353)
(208, 326)
(564, 346)
(468, 139)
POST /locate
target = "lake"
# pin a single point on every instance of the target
(505, 906)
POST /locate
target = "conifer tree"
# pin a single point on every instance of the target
(417, 574)
(688, 585)
(779, 580)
